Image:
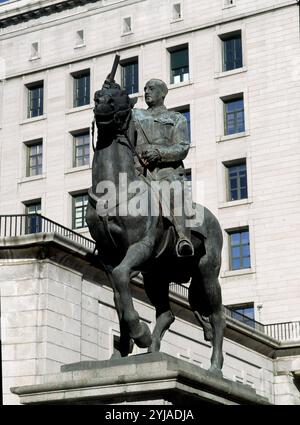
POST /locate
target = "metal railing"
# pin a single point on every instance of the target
(25, 224)
(281, 331)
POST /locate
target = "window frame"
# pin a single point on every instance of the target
(74, 208)
(243, 306)
(38, 85)
(230, 246)
(175, 49)
(76, 76)
(28, 146)
(226, 100)
(28, 223)
(231, 164)
(76, 135)
(225, 38)
(134, 60)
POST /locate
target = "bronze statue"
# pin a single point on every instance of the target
(163, 144)
(132, 241)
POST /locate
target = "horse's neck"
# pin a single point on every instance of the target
(109, 162)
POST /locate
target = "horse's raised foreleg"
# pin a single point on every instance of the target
(158, 294)
(136, 255)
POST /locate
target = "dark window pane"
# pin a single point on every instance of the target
(34, 160)
(130, 77)
(35, 100)
(179, 65)
(239, 250)
(81, 149)
(82, 89)
(33, 221)
(232, 53)
(79, 210)
(234, 116)
(237, 182)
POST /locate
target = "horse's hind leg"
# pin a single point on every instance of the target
(206, 301)
(158, 294)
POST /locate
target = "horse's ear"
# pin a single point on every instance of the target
(133, 101)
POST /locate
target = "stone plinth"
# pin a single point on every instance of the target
(155, 378)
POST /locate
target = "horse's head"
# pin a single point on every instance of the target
(112, 107)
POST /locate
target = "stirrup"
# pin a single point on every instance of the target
(188, 245)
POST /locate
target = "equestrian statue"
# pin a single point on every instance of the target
(140, 228)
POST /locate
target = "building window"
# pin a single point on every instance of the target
(81, 152)
(81, 89)
(34, 50)
(35, 104)
(34, 166)
(237, 181)
(127, 25)
(79, 210)
(179, 60)
(243, 313)
(130, 75)
(239, 249)
(232, 51)
(79, 38)
(176, 12)
(33, 223)
(234, 117)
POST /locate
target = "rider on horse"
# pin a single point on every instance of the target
(163, 143)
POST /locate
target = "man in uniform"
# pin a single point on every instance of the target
(162, 144)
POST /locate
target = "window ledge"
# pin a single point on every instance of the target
(31, 178)
(79, 109)
(240, 272)
(246, 201)
(233, 136)
(80, 46)
(34, 119)
(177, 85)
(231, 72)
(78, 169)
(81, 230)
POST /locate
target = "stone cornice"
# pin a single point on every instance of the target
(38, 9)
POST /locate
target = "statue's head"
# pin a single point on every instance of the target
(155, 92)
(112, 106)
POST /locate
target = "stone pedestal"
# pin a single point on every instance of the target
(155, 378)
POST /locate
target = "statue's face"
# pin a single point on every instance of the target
(153, 94)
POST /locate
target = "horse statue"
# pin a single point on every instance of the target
(130, 244)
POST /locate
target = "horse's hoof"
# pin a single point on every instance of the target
(216, 372)
(143, 339)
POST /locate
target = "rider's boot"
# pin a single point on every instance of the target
(184, 247)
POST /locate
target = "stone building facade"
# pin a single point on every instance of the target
(233, 67)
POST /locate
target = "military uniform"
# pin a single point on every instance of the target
(167, 132)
